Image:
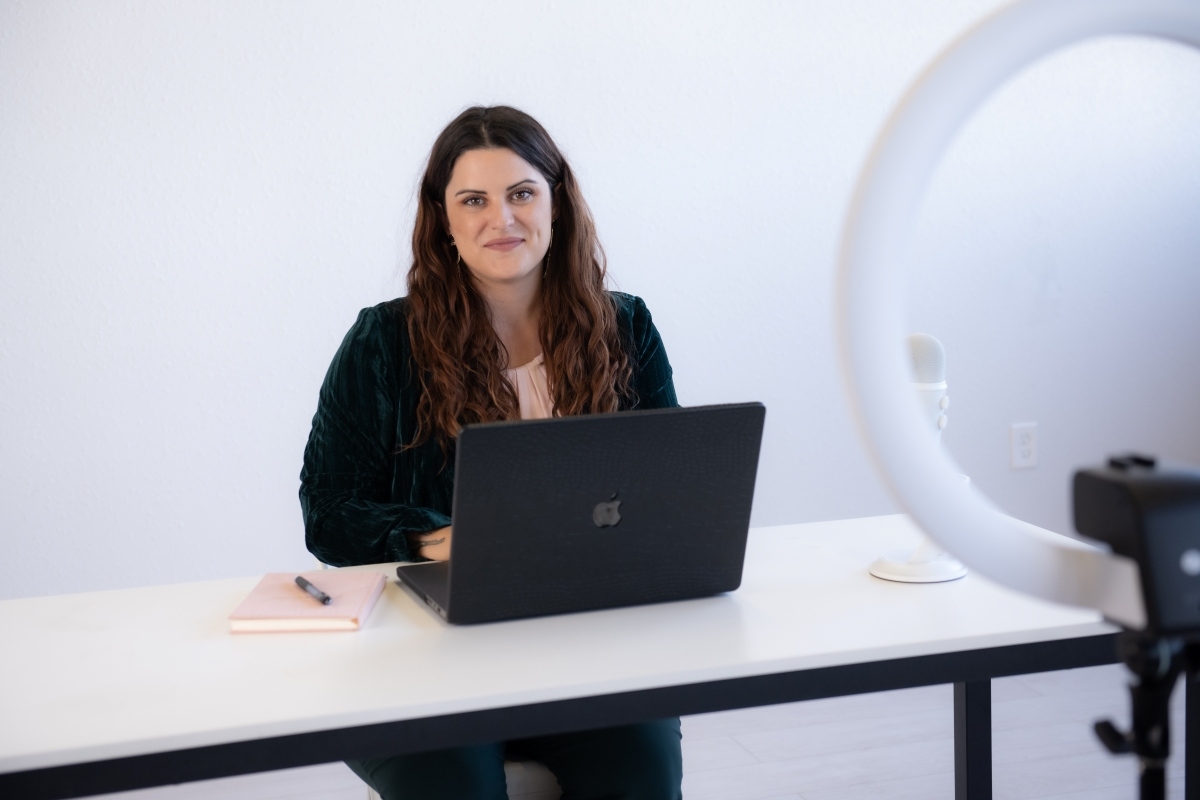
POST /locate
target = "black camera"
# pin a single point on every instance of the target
(1150, 514)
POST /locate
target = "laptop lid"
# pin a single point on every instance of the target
(602, 510)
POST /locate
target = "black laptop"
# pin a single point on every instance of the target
(578, 513)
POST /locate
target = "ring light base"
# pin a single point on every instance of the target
(895, 565)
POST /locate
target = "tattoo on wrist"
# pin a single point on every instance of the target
(429, 542)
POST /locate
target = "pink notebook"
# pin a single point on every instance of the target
(277, 604)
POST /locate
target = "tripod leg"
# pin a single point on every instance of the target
(1153, 781)
(1191, 733)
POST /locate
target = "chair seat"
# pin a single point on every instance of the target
(526, 780)
(530, 780)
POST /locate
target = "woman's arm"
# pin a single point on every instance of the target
(434, 545)
(345, 486)
(652, 374)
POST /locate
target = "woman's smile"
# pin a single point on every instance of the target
(504, 244)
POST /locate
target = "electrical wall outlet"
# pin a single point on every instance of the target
(1022, 445)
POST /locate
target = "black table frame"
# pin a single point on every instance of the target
(969, 670)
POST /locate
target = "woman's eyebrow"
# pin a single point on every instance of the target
(481, 191)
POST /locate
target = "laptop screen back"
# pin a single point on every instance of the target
(552, 516)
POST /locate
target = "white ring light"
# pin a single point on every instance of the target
(873, 262)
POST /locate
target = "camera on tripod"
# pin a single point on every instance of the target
(1150, 514)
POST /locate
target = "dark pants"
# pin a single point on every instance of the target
(632, 762)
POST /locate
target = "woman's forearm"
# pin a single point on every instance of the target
(434, 545)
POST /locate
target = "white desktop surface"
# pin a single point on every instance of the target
(101, 675)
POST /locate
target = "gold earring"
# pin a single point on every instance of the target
(546, 263)
(454, 244)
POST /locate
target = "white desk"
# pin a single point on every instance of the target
(115, 690)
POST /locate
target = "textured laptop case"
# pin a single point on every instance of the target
(603, 510)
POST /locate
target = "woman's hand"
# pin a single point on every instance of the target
(434, 545)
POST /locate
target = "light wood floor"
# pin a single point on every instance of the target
(887, 746)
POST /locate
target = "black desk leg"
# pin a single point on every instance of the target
(973, 740)
(1191, 735)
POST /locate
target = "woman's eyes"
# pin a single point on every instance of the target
(519, 196)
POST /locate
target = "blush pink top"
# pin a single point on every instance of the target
(533, 392)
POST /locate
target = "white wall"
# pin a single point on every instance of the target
(197, 197)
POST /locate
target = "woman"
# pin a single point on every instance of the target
(506, 318)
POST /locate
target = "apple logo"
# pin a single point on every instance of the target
(607, 514)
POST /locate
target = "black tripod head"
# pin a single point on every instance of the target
(1151, 515)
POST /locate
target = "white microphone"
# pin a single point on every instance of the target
(929, 379)
(928, 563)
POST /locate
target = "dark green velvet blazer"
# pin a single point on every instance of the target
(361, 490)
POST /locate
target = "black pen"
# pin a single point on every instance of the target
(314, 591)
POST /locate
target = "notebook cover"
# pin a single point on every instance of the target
(277, 604)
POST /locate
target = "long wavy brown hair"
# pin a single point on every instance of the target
(458, 358)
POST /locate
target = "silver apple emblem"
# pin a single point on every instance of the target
(608, 513)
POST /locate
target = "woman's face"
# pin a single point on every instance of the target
(499, 212)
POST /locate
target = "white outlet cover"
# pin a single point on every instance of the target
(1022, 445)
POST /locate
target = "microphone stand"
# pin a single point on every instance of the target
(1156, 663)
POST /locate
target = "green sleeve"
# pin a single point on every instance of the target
(652, 374)
(345, 486)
